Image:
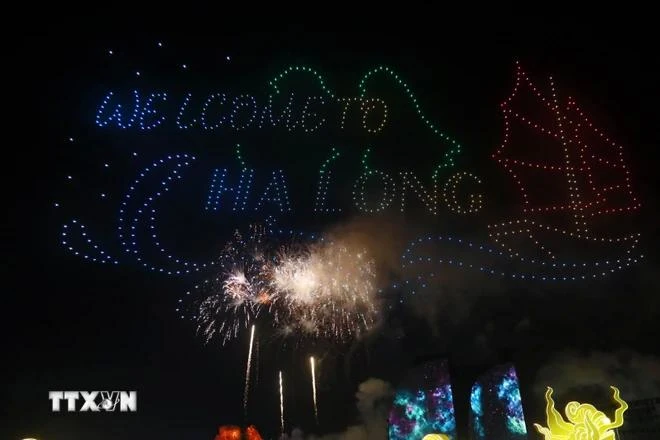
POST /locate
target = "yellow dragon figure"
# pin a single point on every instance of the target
(585, 422)
(435, 437)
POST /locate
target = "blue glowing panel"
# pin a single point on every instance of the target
(496, 406)
(423, 404)
(477, 412)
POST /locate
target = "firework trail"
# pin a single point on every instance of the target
(281, 404)
(256, 362)
(316, 409)
(247, 374)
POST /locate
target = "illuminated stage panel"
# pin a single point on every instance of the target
(496, 409)
(423, 404)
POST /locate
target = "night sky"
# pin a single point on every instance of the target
(76, 325)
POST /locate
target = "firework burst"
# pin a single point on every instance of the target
(237, 296)
(329, 290)
(326, 289)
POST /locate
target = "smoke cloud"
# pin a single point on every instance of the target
(385, 239)
(373, 400)
(447, 298)
(635, 374)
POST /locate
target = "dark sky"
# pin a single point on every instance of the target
(74, 325)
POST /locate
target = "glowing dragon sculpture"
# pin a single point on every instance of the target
(585, 422)
(435, 437)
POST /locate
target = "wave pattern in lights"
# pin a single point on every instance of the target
(430, 252)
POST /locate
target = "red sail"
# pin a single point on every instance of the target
(549, 144)
(568, 173)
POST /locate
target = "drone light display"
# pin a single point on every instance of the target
(578, 166)
(573, 192)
